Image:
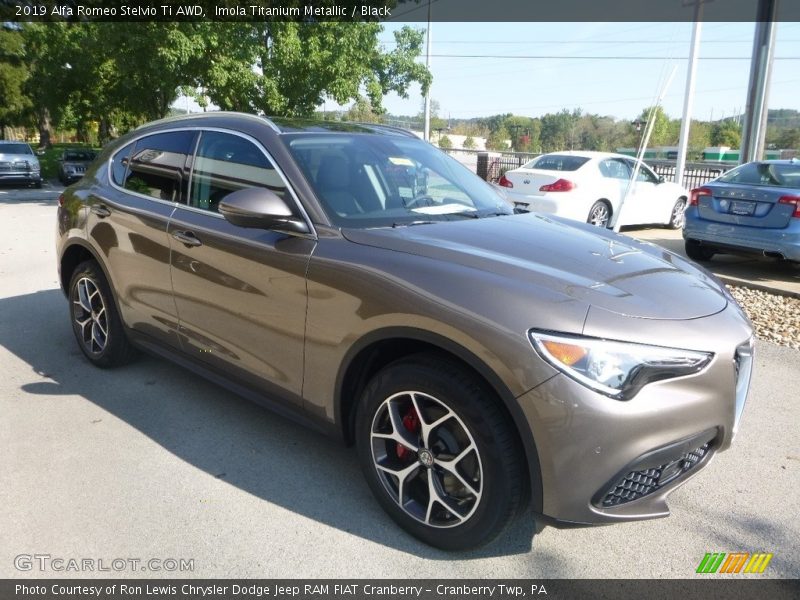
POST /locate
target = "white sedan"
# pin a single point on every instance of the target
(590, 186)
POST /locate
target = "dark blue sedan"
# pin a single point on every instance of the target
(754, 208)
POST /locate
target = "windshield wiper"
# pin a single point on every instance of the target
(410, 223)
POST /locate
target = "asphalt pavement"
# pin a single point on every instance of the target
(150, 462)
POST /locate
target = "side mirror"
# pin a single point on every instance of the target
(261, 208)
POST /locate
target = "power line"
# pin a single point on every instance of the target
(579, 42)
(583, 57)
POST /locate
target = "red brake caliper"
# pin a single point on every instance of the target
(411, 423)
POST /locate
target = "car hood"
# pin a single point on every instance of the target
(603, 269)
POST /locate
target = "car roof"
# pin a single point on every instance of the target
(284, 125)
(13, 142)
(590, 154)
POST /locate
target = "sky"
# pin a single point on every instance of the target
(489, 82)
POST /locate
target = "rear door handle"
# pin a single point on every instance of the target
(100, 210)
(187, 238)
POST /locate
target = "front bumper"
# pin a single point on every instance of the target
(30, 177)
(605, 461)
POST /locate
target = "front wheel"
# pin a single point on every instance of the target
(95, 320)
(599, 214)
(438, 453)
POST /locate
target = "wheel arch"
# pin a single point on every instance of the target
(379, 348)
(74, 254)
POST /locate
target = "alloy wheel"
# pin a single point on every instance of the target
(599, 215)
(90, 315)
(426, 459)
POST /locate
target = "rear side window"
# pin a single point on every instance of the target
(757, 173)
(158, 166)
(557, 162)
(615, 169)
(119, 164)
(225, 163)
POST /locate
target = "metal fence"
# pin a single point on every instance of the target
(694, 174)
(492, 165)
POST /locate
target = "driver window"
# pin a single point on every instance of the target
(225, 163)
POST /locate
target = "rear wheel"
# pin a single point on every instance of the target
(95, 319)
(599, 214)
(678, 216)
(438, 453)
(696, 251)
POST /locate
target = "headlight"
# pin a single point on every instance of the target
(616, 369)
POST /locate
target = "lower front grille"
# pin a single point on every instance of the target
(637, 484)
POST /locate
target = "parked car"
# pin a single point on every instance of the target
(72, 164)
(357, 279)
(590, 186)
(754, 208)
(18, 164)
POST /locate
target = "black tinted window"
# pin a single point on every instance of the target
(557, 162)
(15, 149)
(158, 166)
(119, 165)
(225, 163)
(756, 173)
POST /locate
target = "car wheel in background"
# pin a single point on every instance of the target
(438, 452)
(678, 216)
(599, 214)
(697, 251)
(95, 319)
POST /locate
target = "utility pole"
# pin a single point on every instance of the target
(757, 109)
(686, 123)
(427, 131)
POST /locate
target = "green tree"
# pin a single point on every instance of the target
(664, 131)
(559, 131)
(789, 139)
(13, 74)
(469, 143)
(726, 133)
(288, 68)
(445, 142)
(498, 139)
(361, 112)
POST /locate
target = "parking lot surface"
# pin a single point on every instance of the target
(149, 461)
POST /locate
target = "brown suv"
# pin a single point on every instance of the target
(358, 279)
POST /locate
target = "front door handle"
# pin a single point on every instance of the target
(100, 210)
(187, 238)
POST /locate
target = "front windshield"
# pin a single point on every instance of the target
(15, 149)
(366, 180)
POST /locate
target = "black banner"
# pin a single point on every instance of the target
(399, 589)
(392, 10)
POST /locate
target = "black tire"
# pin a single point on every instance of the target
(475, 428)
(696, 251)
(95, 319)
(599, 214)
(678, 218)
